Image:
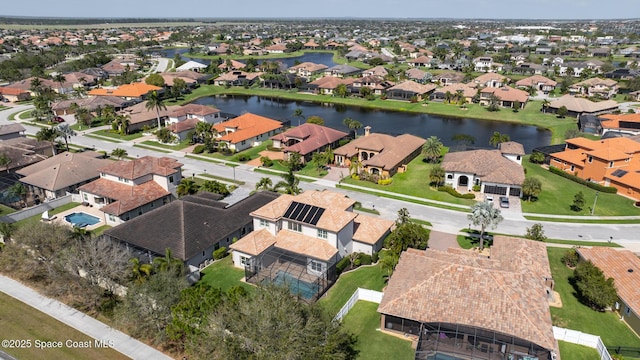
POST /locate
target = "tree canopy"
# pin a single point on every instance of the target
(483, 214)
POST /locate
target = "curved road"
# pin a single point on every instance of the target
(442, 219)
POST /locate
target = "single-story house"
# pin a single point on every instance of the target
(459, 304)
(137, 91)
(13, 94)
(327, 85)
(245, 131)
(140, 116)
(408, 90)
(12, 131)
(237, 78)
(506, 96)
(192, 66)
(307, 139)
(538, 82)
(454, 91)
(342, 70)
(92, 104)
(491, 80)
(307, 69)
(579, 106)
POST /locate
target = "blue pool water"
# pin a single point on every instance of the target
(441, 356)
(80, 219)
(303, 288)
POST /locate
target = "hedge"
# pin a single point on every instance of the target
(595, 186)
(453, 192)
(384, 181)
(199, 149)
(342, 264)
(220, 253)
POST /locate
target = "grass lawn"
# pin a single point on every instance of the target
(115, 135)
(585, 220)
(576, 316)
(557, 196)
(153, 148)
(367, 277)
(414, 182)
(469, 241)
(25, 115)
(222, 274)
(6, 210)
(20, 321)
(103, 138)
(214, 177)
(569, 351)
(34, 219)
(181, 145)
(363, 320)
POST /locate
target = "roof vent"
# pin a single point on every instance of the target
(630, 270)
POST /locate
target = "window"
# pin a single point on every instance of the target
(294, 226)
(243, 142)
(572, 168)
(112, 218)
(85, 197)
(322, 234)
(590, 159)
(450, 176)
(315, 265)
(517, 158)
(610, 164)
(171, 179)
(244, 260)
(627, 311)
(264, 223)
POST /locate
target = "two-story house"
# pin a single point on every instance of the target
(245, 131)
(602, 88)
(307, 69)
(307, 139)
(127, 189)
(299, 239)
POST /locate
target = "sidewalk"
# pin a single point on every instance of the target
(119, 341)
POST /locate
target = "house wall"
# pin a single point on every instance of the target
(577, 170)
(121, 180)
(514, 158)
(630, 317)
(624, 190)
(225, 241)
(368, 249)
(345, 243)
(237, 258)
(453, 178)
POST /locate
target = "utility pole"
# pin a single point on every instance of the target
(593, 209)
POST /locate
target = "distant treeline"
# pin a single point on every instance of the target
(85, 21)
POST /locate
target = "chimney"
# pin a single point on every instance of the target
(367, 130)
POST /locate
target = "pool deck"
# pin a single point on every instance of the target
(85, 209)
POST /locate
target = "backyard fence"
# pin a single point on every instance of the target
(580, 338)
(359, 294)
(36, 210)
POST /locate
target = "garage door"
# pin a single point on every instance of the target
(494, 189)
(514, 192)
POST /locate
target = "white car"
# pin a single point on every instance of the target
(489, 199)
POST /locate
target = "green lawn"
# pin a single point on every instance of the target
(25, 115)
(558, 192)
(153, 148)
(6, 210)
(19, 321)
(181, 145)
(576, 316)
(34, 219)
(414, 182)
(584, 220)
(569, 351)
(115, 135)
(469, 242)
(366, 277)
(222, 274)
(363, 320)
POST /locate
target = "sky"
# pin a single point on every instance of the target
(485, 9)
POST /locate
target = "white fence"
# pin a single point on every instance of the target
(38, 209)
(580, 338)
(359, 294)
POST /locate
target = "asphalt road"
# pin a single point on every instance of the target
(442, 219)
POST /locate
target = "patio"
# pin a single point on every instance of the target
(93, 211)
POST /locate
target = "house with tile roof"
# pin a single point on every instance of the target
(62, 174)
(137, 91)
(192, 227)
(454, 90)
(490, 80)
(303, 237)
(376, 71)
(65, 107)
(611, 162)
(496, 171)
(408, 90)
(14, 94)
(307, 139)
(506, 96)
(459, 304)
(628, 124)
(448, 78)
(580, 106)
(140, 116)
(237, 78)
(245, 131)
(127, 189)
(12, 131)
(377, 84)
(204, 113)
(192, 66)
(380, 154)
(307, 69)
(624, 267)
(597, 87)
(24, 151)
(327, 85)
(538, 82)
(342, 70)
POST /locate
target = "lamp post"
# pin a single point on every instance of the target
(234, 173)
(593, 209)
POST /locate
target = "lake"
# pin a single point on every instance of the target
(382, 121)
(314, 57)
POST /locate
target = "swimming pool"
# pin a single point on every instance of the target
(303, 288)
(80, 219)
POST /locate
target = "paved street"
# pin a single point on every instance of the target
(442, 219)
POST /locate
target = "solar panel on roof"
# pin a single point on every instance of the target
(305, 213)
(317, 216)
(296, 212)
(309, 215)
(619, 173)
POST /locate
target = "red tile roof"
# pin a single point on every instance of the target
(247, 126)
(128, 90)
(127, 197)
(312, 137)
(147, 165)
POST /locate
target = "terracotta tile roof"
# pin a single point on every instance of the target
(255, 242)
(500, 294)
(488, 165)
(138, 113)
(412, 86)
(169, 79)
(305, 245)
(485, 78)
(369, 230)
(467, 91)
(308, 66)
(612, 121)
(7, 90)
(535, 80)
(137, 89)
(630, 179)
(376, 71)
(393, 149)
(331, 82)
(450, 76)
(511, 147)
(580, 105)
(146, 165)
(415, 73)
(506, 93)
(606, 149)
(616, 264)
(575, 157)
(63, 170)
(275, 209)
(127, 197)
(326, 199)
(235, 75)
(194, 109)
(312, 136)
(596, 82)
(247, 126)
(185, 125)
(235, 64)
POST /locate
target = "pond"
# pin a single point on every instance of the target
(314, 57)
(389, 122)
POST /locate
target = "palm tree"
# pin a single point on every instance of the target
(7, 230)
(60, 79)
(352, 124)
(139, 271)
(432, 149)
(155, 102)
(36, 85)
(545, 105)
(65, 131)
(187, 187)
(498, 138)
(298, 114)
(355, 165)
(484, 215)
(290, 183)
(5, 161)
(168, 262)
(20, 191)
(122, 123)
(436, 176)
(119, 153)
(83, 116)
(264, 184)
(48, 134)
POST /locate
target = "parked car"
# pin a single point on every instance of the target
(489, 199)
(504, 202)
(57, 119)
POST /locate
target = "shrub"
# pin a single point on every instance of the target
(595, 290)
(357, 262)
(384, 181)
(342, 264)
(570, 258)
(605, 189)
(355, 176)
(266, 161)
(374, 257)
(365, 259)
(243, 157)
(476, 187)
(220, 253)
(199, 149)
(453, 192)
(344, 142)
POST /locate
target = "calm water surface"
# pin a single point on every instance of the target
(382, 121)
